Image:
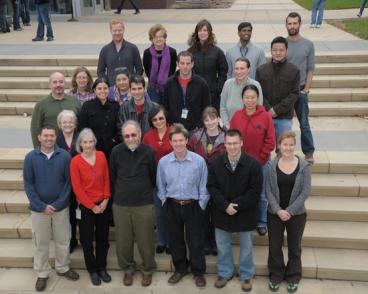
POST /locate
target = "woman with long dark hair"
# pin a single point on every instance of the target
(209, 60)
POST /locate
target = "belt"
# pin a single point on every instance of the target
(301, 87)
(182, 202)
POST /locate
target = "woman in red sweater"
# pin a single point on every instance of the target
(91, 184)
(256, 126)
(158, 139)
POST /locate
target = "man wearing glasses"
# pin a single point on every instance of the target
(280, 85)
(133, 177)
(246, 49)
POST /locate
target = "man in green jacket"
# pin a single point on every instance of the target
(47, 110)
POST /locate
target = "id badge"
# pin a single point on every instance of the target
(184, 113)
(78, 213)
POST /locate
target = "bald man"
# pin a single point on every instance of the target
(47, 110)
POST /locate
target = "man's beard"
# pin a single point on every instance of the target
(293, 33)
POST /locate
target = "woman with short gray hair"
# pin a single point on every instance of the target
(89, 175)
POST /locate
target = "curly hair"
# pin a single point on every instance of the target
(194, 43)
(78, 70)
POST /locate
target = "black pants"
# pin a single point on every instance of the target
(132, 2)
(72, 218)
(186, 220)
(94, 226)
(292, 272)
(209, 230)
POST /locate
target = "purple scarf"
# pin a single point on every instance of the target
(159, 77)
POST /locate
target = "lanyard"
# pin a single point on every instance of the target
(243, 51)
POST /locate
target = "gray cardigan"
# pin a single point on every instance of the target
(299, 194)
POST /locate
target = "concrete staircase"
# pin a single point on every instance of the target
(335, 244)
(340, 86)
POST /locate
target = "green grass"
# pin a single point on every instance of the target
(357, 27)
(332, 4)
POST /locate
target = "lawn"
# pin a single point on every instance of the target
(332, 4)
(358, 27)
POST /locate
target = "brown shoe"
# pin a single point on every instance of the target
(70, 275)
(146, 280)
(176, 277)
(221, 282)
(41, 284)
(128, 279)
(200, 281)
(309, 158)
(247, 285)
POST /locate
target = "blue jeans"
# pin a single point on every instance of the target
(43, 19)
(24, 11)
(155, 94)
(225, 261)
(15, 4)
(364, 3)
(302, 112)
(282, 125)
(162, 233)
(262, 208)
(318, 5)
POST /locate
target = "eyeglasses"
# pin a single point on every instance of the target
(132, 135)
(161, 118)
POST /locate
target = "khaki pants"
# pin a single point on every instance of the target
(135, 223)
(42, 224)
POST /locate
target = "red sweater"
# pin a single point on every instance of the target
(258, 132)
(91, 184)
(161, 148)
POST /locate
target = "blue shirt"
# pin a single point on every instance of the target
(183, 179)
(47, 181)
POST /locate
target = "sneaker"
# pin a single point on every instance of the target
(292, 287)
(41, 284)
(309, 158)
(318, 26)
(312, 26)
(221, 282)
(200, 281)
(69, 275)
(262, 231)
(274, 287)
(247, 285)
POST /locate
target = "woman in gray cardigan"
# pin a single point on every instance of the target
(288, 184)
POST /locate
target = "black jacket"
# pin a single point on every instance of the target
(104, 121)
(129, 111)
(132, 175)
(243, 187)
(212, 66)
(280, 87)
(196, 100)
(147, 61)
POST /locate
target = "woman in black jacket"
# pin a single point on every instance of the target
(101, 116)
(209, 60)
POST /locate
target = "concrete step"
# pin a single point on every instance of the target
(341, 69)
(322, 81)
(338, 108)
(322, 184)
(315, 108)
(44, 71)
(334, 94)
(325, 161)
(341, 57)
(321, 263)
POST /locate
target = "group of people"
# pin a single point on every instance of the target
(20, 12)
(190, 158)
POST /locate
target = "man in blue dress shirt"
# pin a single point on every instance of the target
(181, 183)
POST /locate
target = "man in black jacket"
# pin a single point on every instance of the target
(234, 183)
(186, 95)
(280, 85)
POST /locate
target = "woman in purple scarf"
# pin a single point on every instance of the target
(159, 61)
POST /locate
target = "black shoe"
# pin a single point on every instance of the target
(36, 39)
(262, 231)
(105, 277)
(160, 249)
(207, 251)
(41, 284)
(117, 12)
(214, 251)
(50, 39)
(137, 12)
(167, 250)
(95, 279)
